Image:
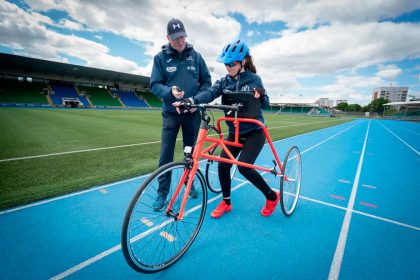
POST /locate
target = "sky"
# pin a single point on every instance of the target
(303, 50)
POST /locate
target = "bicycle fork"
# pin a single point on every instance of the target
(187, 176)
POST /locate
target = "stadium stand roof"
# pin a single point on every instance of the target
(15, 65)
(407, 104)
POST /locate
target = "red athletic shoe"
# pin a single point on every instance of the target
(220, 209)
(270, 206)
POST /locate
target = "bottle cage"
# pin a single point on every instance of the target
(251, 105)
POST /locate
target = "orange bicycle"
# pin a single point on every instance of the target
(154, 240)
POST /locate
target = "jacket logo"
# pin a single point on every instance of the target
(189, 58)
(169, 60)
(171, 69)
(245, 88)
(191, 68)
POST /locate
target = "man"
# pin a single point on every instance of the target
(178, 72)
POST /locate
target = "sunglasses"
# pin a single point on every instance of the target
(232, 64)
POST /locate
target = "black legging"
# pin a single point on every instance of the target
(253, 143)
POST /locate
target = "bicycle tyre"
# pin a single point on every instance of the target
(211, 170)
(151, 240)
(290, 188)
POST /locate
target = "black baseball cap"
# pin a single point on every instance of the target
(176, 29)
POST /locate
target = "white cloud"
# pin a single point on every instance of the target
(69, 24)
(389, 72)
(353, 38)
(29, 37)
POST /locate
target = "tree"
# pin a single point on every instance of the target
(342, 106)
(354, 108)
(377, 105)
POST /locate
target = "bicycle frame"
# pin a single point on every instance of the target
(199, 153)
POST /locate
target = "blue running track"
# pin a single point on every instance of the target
(358, 217)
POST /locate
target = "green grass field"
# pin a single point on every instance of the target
(33, 132)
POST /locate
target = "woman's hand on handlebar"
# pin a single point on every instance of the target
(259, 92)
(184, 105)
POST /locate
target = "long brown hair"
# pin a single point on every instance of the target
(249, 64)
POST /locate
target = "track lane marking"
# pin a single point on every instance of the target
(341, 244)
(399, 138)
(368, 204)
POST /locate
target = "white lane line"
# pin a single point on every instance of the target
(418, 134)
(125, 146)
(341, 245)
(86, 263)
(329, 138)
(400, 139)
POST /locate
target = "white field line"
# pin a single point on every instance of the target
(341, 244)
(124, 146)
(399, 138)
(118, 247)
(117, 183)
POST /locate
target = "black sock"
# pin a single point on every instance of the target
(227, 200)
(271, 195)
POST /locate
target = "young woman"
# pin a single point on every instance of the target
(241, 77)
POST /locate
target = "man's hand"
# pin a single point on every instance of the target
(184, 105)
(177, 92)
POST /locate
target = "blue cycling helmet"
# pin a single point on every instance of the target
(234, 51)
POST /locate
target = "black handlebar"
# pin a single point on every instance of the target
(220, 107)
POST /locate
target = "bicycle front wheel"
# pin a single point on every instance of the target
(290, 181)
(153, 240)
(212, 174)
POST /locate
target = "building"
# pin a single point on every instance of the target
(323, 102)
(393, 94)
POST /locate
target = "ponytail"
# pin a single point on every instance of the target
(249, 64)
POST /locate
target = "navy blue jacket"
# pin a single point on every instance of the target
(247, 81)
(187, 70)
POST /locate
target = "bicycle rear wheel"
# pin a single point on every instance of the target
(153, 240)
(290, 181)
(212, 174)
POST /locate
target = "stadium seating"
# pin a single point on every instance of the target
(61, 92)
(100, 97)
(295, 110)
(13, 91)
(130, 99)
(150, 98)
(272, 109)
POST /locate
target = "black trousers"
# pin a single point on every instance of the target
(171, 124)
(253, 144)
